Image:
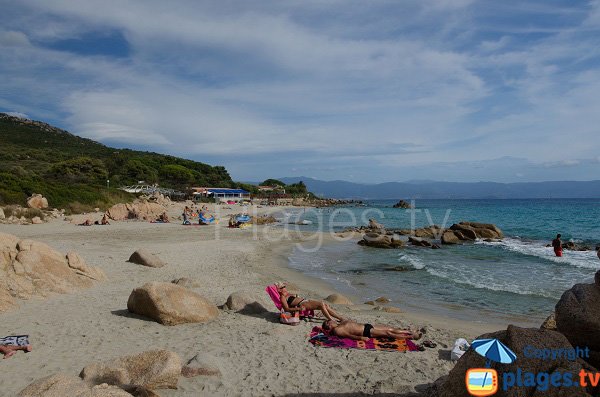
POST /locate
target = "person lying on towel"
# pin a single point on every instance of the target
(10, 350)
(353, 330)
(295, 303)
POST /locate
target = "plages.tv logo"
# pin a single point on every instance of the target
(483, 382)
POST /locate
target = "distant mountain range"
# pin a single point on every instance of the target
(449, 190)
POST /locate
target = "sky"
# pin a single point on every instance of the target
(364, 91)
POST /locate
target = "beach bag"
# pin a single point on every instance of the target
(460, 347)
(289, 318)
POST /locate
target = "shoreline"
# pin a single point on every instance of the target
(256, 354)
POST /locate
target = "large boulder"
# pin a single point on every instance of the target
(518, 339)
(37, 201)
(377, 240)
(244, 302)
(146, 258)
(578, 318)
(29, 268)
(139, 209)
(63, 385)
(470, 231)
(155, 369)
(170, 304)
(402, 204)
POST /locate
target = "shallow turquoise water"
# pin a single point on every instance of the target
(518, 276)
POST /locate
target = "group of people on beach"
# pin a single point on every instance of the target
(339, 326)
(103, 221)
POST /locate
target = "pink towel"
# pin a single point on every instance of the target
(276, 298)
(274, 294)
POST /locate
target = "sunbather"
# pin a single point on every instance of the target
(10, 350)
(164, 218)
(353, 330)
(104, 220)
(295, 303)
(87, 222)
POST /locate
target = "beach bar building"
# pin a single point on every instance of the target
(220, 194)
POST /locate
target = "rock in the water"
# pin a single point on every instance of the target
(572, 246)
(154, 369)
(578, 318)
(470, 231)
(517, 339)
(202, 364)
(63, 385)
(373, 224)
(380, 241)
(338, 299)
(402, 204)
(449, 237)
(382, 299)
(30, 268)
(170, 304)
(244, 302)
(419, 242)
(186, 282)
(37, 201)
(145, 258)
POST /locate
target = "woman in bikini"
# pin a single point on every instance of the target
(295, 303)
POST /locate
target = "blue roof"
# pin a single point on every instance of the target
(228, 191)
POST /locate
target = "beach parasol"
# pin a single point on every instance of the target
(494, 350)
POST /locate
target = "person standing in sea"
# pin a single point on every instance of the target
(557, 245)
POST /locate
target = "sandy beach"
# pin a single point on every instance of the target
(255, 354)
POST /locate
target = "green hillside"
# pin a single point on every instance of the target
(72, 171)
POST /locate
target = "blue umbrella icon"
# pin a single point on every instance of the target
(493, 350)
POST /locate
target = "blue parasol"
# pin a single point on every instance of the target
(494, 350)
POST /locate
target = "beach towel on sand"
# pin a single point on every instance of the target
(319, 338)
(20, 340)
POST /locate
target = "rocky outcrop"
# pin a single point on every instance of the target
(37, 201)
(550, 322)
(421, 242)
(573, 246)
(170, 304)
(374, 225)
(578, 318)
(146, 258)
(402, 204)
(338, 299)
(517, 339)
(380, 241)
(244, 302)
(155, 369)
(139, 209)
(432, 232)
(263, 220)
(29, 268)
(63, 385)
(470, 231)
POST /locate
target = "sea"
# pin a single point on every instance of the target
(518, 277)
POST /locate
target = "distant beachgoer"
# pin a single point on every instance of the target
(353, 330)
(186, 213)
(87, 222)
(104, 220)
(557, 245)
(10, 350)
(164, 218)
(295, 303)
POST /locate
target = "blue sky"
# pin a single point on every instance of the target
(366, 91)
